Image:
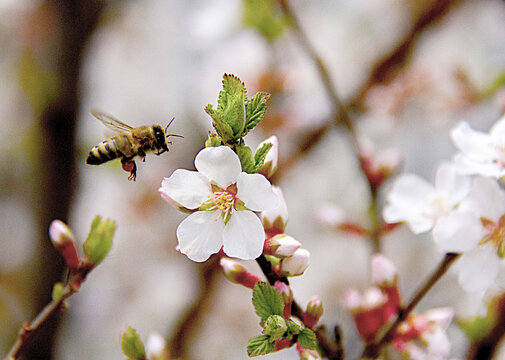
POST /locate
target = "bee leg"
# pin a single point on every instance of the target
(143, 155)
(160, 152)
(129, 165)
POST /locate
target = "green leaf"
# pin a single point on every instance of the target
(231, 104)
(267, 300)
(261, 153)
(295, 327)
(275, 327)
(213, 140)
(255, 109)
(266, 17)
(307, 339)
(222, 128)
(479, 327)
(99, 240)
(246, 157)
(260, 345)
(131, 345)
(57, 290)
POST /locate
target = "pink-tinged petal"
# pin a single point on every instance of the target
(438, 344)
(467, 166)
(458, 232)
(474, 144)
(187, 188)
(417, 222)
(486, 198)
(201, 235)
(454, 186)
(243, 236)
(256, 192)
(219, 164)
(498, 129)
(441, 317)
(281, 210)
(383, 270)
(478, 268)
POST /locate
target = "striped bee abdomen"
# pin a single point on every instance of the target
(109, 149)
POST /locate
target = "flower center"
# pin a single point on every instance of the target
(222, 199)
(495, 235)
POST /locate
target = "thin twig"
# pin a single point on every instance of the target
(373, 350)
(29, 329)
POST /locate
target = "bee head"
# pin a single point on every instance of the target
(159, 135)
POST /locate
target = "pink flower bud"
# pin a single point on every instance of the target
(270, 165)
(383, 271)
(307, 354)
(64, 241)
(237, 274)
(313, 312)
(295, 264)
(351, 300)
(283, 245)
(275, 220)
(287, 296)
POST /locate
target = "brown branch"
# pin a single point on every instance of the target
(372, 351)
(488, 347)
(188, 325)
(30, 329)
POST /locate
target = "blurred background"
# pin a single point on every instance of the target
(407, 71)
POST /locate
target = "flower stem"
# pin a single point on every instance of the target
(29, 329)
(372, 351)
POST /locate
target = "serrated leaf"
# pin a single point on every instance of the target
(275, 327)
(261, 153)
(222, 128)
(307, 339)
(99, 240)
(231, 103)
(267, 300)
(246, 157)
(266, 17)
(260, 345)
(131, 345)
(255, 109)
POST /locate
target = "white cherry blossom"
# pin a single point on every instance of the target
(223, 198)
(476, 229)
(418, 203)
(480, 153)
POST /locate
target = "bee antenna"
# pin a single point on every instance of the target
(176, 135)
(170, 123)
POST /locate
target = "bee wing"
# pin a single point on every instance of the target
(111, 122)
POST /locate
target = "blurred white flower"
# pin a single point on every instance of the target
(480, 153)
(295, 264)
(476, 229)
(420, 204)
(225, 198)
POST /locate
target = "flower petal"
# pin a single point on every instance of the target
(478, 268)
(468, 166)
(498, 129)
(458, 232)
(188, 188)
(243, 236)
(449, 183)
(474, 144)
(201, 235)
(256, 192)
(219, 164)
(486, 198)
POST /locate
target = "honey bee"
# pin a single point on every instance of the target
(129, 143)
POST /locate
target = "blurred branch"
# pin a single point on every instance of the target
(488, 347)
(373, 350)
(189, 323)
(384, 70)
(68, 29)
(29, 329)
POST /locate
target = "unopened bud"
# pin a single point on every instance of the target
(351, 300)
(307, 354)
(287, 297)
(275, 326)
(271, 159)
(383, 271)
(238, 274)
(64, 241)
(313, 312)
(275, 220)
(295, 264)
(156, 347)
(283, 245)
(99, 240)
